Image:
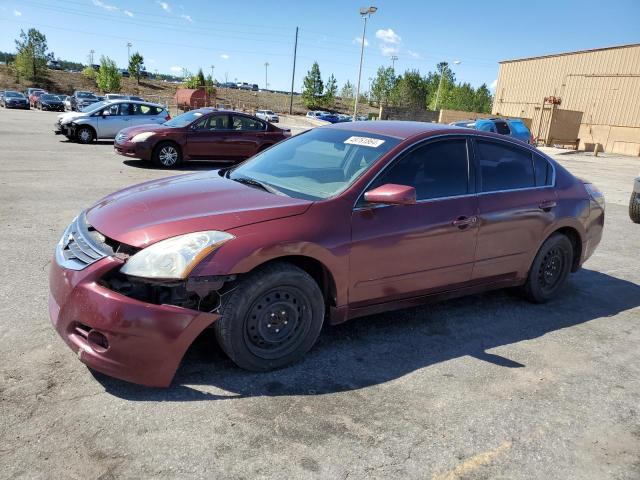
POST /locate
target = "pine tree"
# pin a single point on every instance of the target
(136, 65)
(312, 87)
(330, 91)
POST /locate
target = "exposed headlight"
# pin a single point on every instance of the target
(141, 137)
(174, 257)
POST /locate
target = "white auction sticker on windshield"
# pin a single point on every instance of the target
(364, 141)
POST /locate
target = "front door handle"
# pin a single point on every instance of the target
(547, 206)
(463, 222)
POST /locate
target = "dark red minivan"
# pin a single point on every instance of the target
(203, 134)
(338, 222)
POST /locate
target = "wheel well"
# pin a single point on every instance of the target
(574, 237)
(317, 270)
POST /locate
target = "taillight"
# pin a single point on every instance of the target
(531, 139)
(168, 117)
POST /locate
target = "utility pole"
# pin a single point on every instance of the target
(293, 74)
(266, 75)
(212, 67)
(129, 45)
(91, 52)
(364, 13)
(393, 62)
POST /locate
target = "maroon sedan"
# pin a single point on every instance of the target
(203, 134)
(338, 222)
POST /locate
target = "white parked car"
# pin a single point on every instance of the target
(105, 119)
(268, 115)
(634, 202)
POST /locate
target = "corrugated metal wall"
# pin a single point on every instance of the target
(603, 84)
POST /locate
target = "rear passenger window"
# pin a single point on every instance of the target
(436, 170)
(504, 167)
(543, 171)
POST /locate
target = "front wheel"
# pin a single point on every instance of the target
(85, 135)
(271, 318)
(167, 155)
(634, 207)
(550, 269)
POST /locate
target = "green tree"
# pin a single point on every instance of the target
(330, 92)
(347, 91)
(108, 78)
(483, 99)
(312, 87)
(136, 66)
(383, 85)
(410, 90)
(200, 78)
(31, 57)
(89, 73)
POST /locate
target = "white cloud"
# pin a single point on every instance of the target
(17, 13)
(358, 40)
(388, 36)
(224, 56)
(187, 18)
(388, 50)
(165, 6)
(413, 54)
(128, 13)
(106, 6)
(494, 84)
(176, 69)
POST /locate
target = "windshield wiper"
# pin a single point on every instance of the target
(255, 183)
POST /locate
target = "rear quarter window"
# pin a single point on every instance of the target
(543, 171)
(504, 166)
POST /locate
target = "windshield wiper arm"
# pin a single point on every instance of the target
(255, 183)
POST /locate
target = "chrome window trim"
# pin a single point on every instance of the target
(467, 136)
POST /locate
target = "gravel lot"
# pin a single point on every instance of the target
(483, 387)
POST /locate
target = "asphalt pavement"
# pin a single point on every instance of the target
(482, 387)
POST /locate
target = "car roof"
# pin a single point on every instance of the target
(137, 102)
(395, 128)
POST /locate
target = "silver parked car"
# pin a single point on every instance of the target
(107, 118)
(268, 115)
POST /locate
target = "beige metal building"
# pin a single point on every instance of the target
(592, 96)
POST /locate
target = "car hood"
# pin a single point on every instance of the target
(159, 209)
(149, 127)
(68, 116)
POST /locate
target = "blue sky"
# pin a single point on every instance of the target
(238, 37)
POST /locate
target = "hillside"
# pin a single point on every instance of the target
(163, 92)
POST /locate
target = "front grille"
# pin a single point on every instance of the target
(81, 245)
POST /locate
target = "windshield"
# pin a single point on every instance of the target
(49, 97)
(269, 112)
(318, 164)
(93, 107)
(13, 94)
(85, 95)
(184, 119)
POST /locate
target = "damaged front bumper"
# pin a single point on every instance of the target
(116, 334)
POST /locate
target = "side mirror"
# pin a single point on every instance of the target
(392, 194)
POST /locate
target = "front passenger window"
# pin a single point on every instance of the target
(436, 170)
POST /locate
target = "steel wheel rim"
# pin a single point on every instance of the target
(551, 269)
(168, 156)
(85, 135)
(277, 322)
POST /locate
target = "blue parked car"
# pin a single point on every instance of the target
(329, 117)
(513, 127)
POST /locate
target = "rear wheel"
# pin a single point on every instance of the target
(167, 155)
(634, 207)
(85, 135)
(550, 269)
(271, 318)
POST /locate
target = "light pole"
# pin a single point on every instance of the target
(444, 68)
(129, 45)
(365, 13)
(212, 67)
(266, 75)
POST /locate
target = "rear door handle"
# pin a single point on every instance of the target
(547, 206)
(463, 222)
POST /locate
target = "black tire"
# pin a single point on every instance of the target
(167, 155)
(550, 269)
(634, 207)
(271, 318)
(85, 135)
